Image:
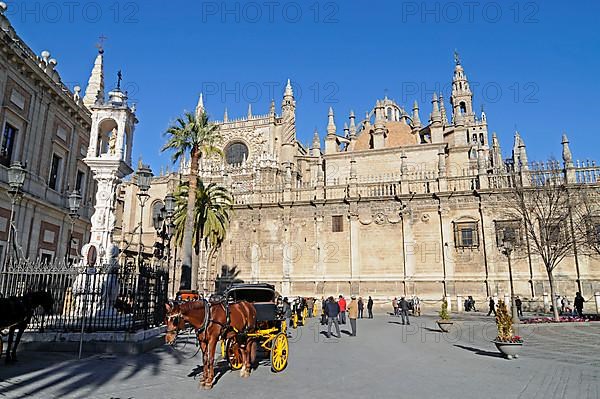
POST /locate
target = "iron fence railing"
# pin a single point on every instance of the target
(106, 298)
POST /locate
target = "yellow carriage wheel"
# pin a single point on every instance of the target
(279, 353)
(295, 320)
(304, 313)
(234, 355)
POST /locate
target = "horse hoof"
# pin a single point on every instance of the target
(207, 386)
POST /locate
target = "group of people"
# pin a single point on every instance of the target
(334, 312)
(560, 302)
(401, 308)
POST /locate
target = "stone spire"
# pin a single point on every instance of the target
(225, 116)
(200, 107)
(346, 130)
(436, 116)
(520, 153)
(496, 153)
(249, 111)
(95, 89)
(272, 108)
(352, 125)
(331, 128)
(566, 151)
(415, 116)
(379, 131)
(315, 150)
(443, 110)
(288, 89)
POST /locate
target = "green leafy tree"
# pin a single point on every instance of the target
(211, 216)
(193, 136)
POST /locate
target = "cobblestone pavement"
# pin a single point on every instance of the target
(385, 360)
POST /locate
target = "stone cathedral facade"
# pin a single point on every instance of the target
(392, 203)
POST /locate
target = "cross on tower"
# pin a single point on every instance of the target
(456, 57)
(100, 44)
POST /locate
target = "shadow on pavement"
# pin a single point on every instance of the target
(37, 372)
(481, 352)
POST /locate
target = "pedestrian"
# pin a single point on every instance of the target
(492, 307)
(403, 309)
(310, 303)
(342, 306)
(361, 307)
(472, 304)
(287, 312)
(579, 304)
(417, 306)
(395, 306)
(353, 314)
(332, 311)
(370, 307)
(519, 305)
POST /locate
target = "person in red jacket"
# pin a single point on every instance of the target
(342, 304)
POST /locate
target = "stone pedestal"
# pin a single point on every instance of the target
(460, 303)
(546, 297)
(449, 302)
(597, 297)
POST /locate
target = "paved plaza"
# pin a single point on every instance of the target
(385, 360)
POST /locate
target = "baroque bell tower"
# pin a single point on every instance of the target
(462, 97)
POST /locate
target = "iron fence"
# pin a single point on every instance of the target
(105, 298)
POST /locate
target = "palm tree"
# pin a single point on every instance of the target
(212, 213)
(191, 135)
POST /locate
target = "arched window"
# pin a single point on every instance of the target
(236, 153)
(463, 107)
(389, 114)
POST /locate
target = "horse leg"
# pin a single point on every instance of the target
(243, 350)
(11, 333)
(204, 351)
(212, 344)
(21, 328)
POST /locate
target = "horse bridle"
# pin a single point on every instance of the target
(199, 330)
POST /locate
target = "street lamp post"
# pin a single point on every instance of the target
(74, 205)
(143, 180)
(508, 245)
(16, 178)
(170, 228)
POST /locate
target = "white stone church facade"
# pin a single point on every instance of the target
(394, 203)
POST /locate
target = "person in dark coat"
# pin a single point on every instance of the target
(579, 304)
(361, 307)
(370, 307)
(332, 309)
(519, 306)
(492, 307)
(403, 309)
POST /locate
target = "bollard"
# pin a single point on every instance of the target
(597, 296)
(459, 303)
(449, 302)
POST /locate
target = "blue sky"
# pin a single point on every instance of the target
(532, 64)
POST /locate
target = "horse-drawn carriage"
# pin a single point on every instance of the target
(270, 331)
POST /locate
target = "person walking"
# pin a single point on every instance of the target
(492, 307)
(370, 307)
(403, 309)
(287, 312)
(519, 305)
(579, 304)
(395, 306)
(310, 303)
(332, 310)
(353, 314)
(361, 307)
(342, 306)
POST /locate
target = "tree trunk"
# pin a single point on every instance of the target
(188, 233)
(552, 297)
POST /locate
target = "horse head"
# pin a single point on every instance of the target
(40, 298)
(174, 321)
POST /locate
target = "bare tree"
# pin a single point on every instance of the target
(543, 203)
(588, 215)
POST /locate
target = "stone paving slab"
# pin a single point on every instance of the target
(386, 360)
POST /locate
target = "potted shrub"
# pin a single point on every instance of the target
(507, 342)
(444, 322)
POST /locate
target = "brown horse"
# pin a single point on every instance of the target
(213, 322)
(16, 313)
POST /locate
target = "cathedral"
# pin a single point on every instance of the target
(393, 203)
